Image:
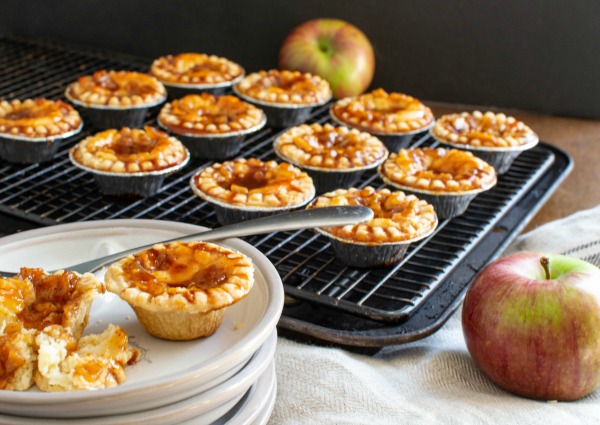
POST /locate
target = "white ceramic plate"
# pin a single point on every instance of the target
(167, 371)
(256, 406)
(205, 408)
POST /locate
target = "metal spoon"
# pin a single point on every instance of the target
(303, 219)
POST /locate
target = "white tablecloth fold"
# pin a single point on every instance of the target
(431, 381)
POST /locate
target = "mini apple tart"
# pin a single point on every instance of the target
(32, 130)
(395, 118)
(287, 97)
(130, 161)
(179, 290)
(449, 179)
(37, 299)
(335, 157)
(495, 138)
(114, 99)
(95, 361)
(192, 73)
(245, 189)
(399, 220)
(212, 127)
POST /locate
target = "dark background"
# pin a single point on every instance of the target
(538, 55)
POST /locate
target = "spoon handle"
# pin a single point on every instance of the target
(302, 219)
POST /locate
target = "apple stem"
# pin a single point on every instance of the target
(545, 262)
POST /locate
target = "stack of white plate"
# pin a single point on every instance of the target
(227, 378)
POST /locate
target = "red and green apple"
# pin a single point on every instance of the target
(531, 322)
(334, 50)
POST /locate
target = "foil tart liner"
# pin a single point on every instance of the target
(231, 214)
(393, 141)
(140, 184)
(362, 254)
(445, 205)
(329, 179)
(214, 146)
(282, 115)
(32, 150)
(104, 116)
(499, 158)
(177, 90)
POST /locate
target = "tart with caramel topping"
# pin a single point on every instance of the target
(248, 188)
(286, 96)
(130, 161)
(114, 99)
(92, 362)
(335, 157)
(179, 290)
(43, 317)
(483, 130)
(448, 178)
(394, 117)
(37, 299)
(494, 137)
(38, 118)
(438, 170)
(196, 71)
(31, 130)
(31, 301)
(212, 127)
(399, 219)
(116, 89)
(380, 112)
(130, 151)
(326, 146)
(206, 114)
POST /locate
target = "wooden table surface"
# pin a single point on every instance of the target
(580, 138)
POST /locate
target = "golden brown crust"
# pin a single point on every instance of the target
(380, 112)
(398, 217)
(117, 89)
(92, 362)
(330, 147)
(206, 114)
(17, 357)
(285, 87)
(483, 130)
(254, 183)
(195, 68)
(130, 151)
(438, 170)
(36, 299)
(38, 118)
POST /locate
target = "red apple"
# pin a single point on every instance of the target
(534, 328)
(333, 49)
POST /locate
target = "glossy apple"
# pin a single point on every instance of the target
(333, 49)
(535, 330)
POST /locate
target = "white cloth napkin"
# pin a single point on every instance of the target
(431, 381)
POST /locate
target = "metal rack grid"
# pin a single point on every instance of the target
(55, 192)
